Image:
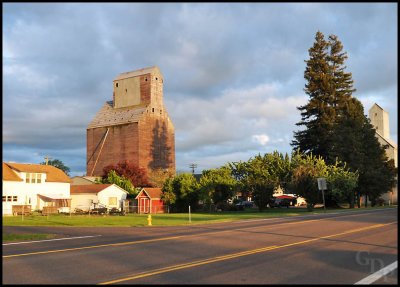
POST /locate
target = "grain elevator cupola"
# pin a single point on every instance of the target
(134, 126)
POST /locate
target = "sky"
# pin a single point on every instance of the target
(233, 72)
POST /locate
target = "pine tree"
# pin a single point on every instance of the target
(335, 125)
(342, 82)
(329, 88)
(356, 144)
(317, 115)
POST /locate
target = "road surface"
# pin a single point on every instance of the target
(341, 248)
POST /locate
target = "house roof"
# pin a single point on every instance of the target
(153, 192)
(9, 175)
(53, 174)
(109, 116)
(92, 188)
(375, 104)
(81, 180)
(88, 188)
(388, 141)
(144, 71)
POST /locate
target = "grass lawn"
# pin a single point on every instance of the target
(160, 219)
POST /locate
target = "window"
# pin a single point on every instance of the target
(116, 85)
(10, 198)
(33, 177)
(112, 201)
(152, 110)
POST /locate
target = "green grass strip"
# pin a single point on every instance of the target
(171, 219)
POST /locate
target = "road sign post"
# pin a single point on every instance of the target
(322, 186)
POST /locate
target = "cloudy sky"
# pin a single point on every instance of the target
(233, 72)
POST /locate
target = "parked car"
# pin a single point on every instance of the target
(245, 204)
(280, 202)
(99, 210)
(116, 211)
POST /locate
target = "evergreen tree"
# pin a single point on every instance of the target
(377, 173)
(356, 144)
(342, 82)
(335, 126)
(329, 88)
(317, 115)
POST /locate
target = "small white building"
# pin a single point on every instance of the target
(89, 196)
(34, 185)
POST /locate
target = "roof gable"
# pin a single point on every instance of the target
(9, 174)
(151, 192)
(375, 105)
(108, 116)
(140, 72)
(388, 141)
(92, 188)
(53, 174)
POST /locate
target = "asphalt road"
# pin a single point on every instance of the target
(341, 248)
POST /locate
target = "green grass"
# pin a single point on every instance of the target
(159, 219)
(25, 237)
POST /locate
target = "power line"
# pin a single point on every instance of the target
(193, 166)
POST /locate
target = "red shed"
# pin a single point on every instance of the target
(149, 200)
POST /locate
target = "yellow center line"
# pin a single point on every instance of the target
(233, 255)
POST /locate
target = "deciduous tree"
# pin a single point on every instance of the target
(135, 174)
(58, 164)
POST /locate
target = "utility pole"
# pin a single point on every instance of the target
(46, 158)
(193, 166)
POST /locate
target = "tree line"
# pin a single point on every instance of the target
(336, 141)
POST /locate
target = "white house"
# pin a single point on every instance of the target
(34, 185)
(89, 196)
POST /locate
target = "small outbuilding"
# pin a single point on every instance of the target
(89, 196)
(149, 201)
